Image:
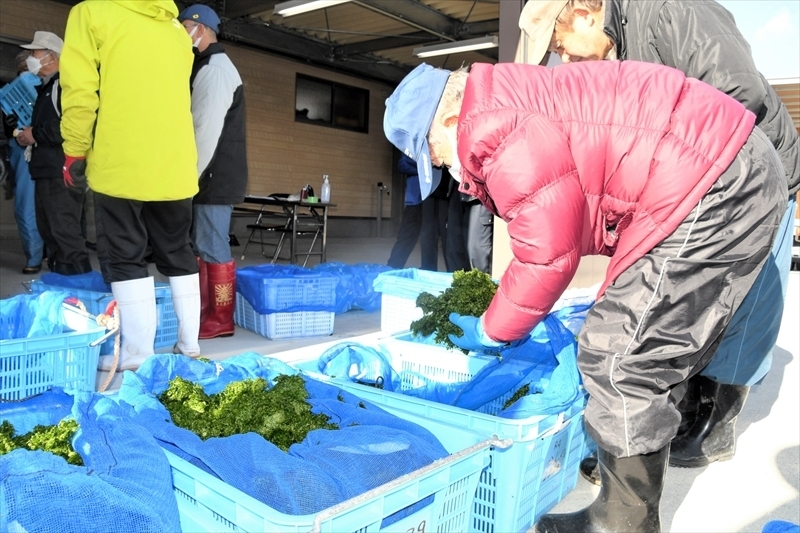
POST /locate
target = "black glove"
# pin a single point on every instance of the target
(74, 171)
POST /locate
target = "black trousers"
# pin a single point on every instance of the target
(662, 319)
(434, 228)
(407, 236)
(455, 251)
(124, 228)
(58, 218)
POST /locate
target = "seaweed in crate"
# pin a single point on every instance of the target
(56, 439)
(279, 413)
(470, 294)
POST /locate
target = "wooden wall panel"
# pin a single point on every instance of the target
(20, 18)
(283, 155)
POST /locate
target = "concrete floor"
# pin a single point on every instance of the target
(761, 483)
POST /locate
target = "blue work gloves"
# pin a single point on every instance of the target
(474, 338)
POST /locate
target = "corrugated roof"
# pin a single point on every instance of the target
(789, 92)
(359, 22)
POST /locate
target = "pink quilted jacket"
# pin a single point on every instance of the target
(595, 158)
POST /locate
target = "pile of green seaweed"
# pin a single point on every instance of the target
(56, 439)
(279, 413)
(470, 294)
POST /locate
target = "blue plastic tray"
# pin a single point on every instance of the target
(522, 482)
(33, 365)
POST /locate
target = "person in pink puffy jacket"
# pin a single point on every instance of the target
(662, 173)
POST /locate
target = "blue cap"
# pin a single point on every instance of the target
(202, 15)
(408, 117)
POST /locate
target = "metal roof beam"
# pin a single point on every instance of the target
(289, 43)
(245, 8)
(387, 43)
(416, 39)
(415, 14)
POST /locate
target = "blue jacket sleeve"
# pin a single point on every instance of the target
(407, 166)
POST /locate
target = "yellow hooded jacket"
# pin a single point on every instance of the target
(126, 106)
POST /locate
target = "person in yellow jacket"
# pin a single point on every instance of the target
(127, 128)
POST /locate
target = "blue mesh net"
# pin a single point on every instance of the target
(31, 315)
(370, 448)
(125, 484)
(546, 362)
(286, 288)
(355, 285)
(90, 281)
(359, 363)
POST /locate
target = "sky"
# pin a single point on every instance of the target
(772, 28)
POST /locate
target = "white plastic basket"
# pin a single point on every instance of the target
(282, 325)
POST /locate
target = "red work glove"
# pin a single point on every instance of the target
(74, 171)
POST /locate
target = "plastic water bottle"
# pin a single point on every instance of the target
(325, 193)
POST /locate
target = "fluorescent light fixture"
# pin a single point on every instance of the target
(295, 7)
(480, 43)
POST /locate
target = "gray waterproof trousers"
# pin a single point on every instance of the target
(662, 319)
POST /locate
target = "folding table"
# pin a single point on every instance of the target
(288, 218)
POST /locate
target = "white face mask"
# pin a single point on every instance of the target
(191, 36)
(34, 64)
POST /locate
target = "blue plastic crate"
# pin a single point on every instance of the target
(282, 325)
(208, 504)
(522, 482)
(18, 97)
(399, 290)
(96, 303)
(299, 290)
(33, 365)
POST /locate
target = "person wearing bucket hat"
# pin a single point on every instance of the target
(420, 91)
(577, 163)
(662, 33)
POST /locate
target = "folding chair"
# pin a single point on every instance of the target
(260, 227)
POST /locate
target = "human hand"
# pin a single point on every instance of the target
(74, 171)
(474, 338)
(25, 137)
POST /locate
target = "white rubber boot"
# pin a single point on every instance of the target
(186, 301)
(136, 302)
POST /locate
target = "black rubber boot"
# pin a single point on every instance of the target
(688, 408)
(713, 435)
(629, 498)
(689, 404)
(588, 469)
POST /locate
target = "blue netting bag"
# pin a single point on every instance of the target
(32, 315)
(125, 484)
(359, 363)
(286, 288)
(344, 289)
(545, 362)
(355, 285)
(366, 297)
(339, 464)
(562, 388)
(90, 281)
